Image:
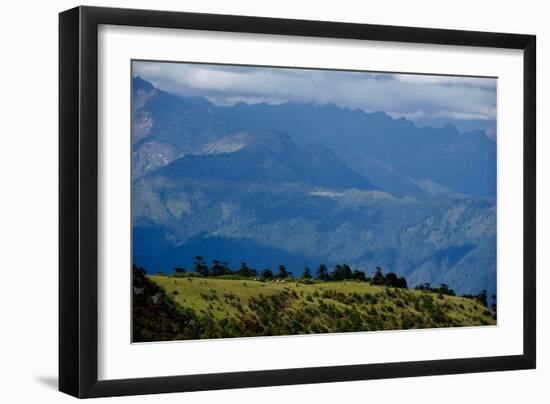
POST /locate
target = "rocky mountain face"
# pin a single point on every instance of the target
(302, 184)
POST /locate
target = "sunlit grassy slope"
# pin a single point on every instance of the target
(234, 308)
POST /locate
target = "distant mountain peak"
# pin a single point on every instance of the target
(139, 84)
(449, 127)
(268, 157)
(402, 150)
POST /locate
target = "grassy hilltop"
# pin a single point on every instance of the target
(191, 307)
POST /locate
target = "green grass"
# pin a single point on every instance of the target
(234, 308)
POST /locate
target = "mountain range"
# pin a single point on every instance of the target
(302, 184)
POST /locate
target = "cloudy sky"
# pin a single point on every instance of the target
(424, 99)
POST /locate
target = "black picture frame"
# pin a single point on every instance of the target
(78, 201)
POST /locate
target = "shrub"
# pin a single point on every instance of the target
(406, 323)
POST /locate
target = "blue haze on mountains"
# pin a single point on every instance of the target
(240, 177)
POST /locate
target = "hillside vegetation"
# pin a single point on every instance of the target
(186, 306)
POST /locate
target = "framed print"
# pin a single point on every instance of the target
(251, 201)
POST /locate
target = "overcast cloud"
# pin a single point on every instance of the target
(416, 97)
